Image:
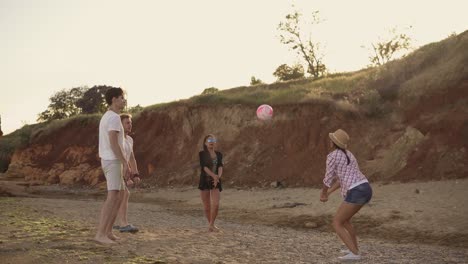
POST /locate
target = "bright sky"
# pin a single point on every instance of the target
(161, 51)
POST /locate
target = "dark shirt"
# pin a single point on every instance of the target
(206, 182)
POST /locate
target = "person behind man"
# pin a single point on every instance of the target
(1, 133)
(131, 179)
(113, 162)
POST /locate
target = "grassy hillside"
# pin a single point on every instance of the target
(436, 66)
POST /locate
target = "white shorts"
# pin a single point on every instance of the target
(113, 171)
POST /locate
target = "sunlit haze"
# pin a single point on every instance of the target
(161, 51)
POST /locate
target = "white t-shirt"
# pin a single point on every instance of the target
(128, 147)
(110, 121)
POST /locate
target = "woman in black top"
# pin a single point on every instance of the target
(211, 163)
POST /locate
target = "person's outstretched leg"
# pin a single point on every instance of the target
(215, 196)
(343, 215)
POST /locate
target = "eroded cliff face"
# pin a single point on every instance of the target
(67, 156)
(424, 142)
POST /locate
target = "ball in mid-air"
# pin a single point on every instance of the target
(264, 112)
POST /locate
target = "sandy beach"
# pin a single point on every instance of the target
(405, 223)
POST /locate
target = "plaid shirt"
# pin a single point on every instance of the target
(337, 166)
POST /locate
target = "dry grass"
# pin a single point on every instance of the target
(46, 128)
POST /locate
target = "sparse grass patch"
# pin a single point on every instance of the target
(436, 66)
(27, 226)
(48, 128)
(41, 237)
(373, 105)
(144, 260)
(159, 106)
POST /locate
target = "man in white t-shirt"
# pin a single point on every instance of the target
(113, 162)
(131, 179)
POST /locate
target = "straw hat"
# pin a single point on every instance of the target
(340, 138)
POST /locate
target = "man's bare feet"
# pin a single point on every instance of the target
(213, 228)
(113, 237)
(103, 240)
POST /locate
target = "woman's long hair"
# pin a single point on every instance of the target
(344, 151)
(206, 154)
(205, 148)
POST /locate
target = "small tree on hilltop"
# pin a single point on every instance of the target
(211, 90)
(135, 109)
(305, 47)
(385, 50)
(285, 72)
(255, 81)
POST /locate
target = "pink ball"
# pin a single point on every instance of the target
(264, 112)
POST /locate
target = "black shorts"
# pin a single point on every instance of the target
(206, 183)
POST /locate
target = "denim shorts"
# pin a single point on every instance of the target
(360, 194)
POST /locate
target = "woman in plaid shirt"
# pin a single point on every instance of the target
(343, 170)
